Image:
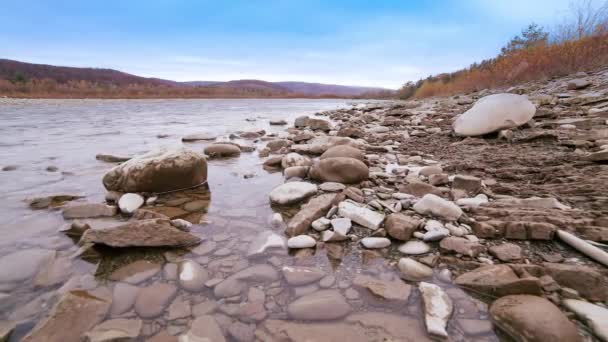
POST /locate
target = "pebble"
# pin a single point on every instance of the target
(130, 202)
(341, 225)
(375, 242)
(414, 247)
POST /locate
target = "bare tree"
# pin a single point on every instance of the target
(585, 19)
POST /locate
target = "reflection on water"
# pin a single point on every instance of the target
(229, 216)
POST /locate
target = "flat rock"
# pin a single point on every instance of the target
(199, 136)
(493, 113)
(320, 306)
(461, 246)
(73, 315)
(532, 318)
(394, 291)
(498, 280)
(88, 210)
(341, 225)
(506, 252)
(151, 301)
(437, 206)
(158, 171)
(360, 215)
(143, 233)
(299, 275)
(332, 186)
(52, 201)
(115, 329)
(437, 309)
(292, 192)
(191, 276)
(109, 158)
(315, 208)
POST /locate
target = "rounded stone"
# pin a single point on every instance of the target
(414, 247)
(375, 242)
(343, 151)
(292, 192)
(413, 270)
(191, 275)
(222, 150)
(301, 241)
(130, 202)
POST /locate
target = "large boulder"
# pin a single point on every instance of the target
(158, 171)
(222, 150)
(143, 233)
(533, 319)
(340, 170)
(343, 151)
(493, 113)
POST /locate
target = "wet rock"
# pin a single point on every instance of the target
(277, 122)
(437, 309)
(88, 210)
(360, 215)
(295, 159)
(401, 227)
(204, 328)
(181, 224)
(191, 276)
(394, 291)
(75, 314)
(222, 151)
(292, 192)
(266, 241)
(299, 275)
(6, 329)
(375, 242)
(130, 202)
(532, 318)
(179, 309)
(143, 233)
(340, 170)
(111, 158)
(506, 252)
(151, 301)
(301, 241)
(318, 124)
(240, 281)
(461, 246)
(498, 280)
(435, 205)
(343, 151)
(51, 201)
(135, 272)
(314, 209)
(123, 298)
(493, 113)
(412, 270)
(414, 247)
(158, 171)
(599, 156)
(275, 145)
(24, 264)
(319, 306)
(115, 330)
(594, 315)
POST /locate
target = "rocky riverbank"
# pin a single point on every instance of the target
(476, 217)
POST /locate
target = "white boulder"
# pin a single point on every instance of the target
(493, 113)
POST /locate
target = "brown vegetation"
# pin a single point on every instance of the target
(579, 44)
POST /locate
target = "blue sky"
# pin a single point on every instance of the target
(372, 43)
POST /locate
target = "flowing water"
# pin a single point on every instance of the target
(49, 147)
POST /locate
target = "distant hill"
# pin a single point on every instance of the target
(22, 79)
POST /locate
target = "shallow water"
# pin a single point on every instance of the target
(67, 134)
